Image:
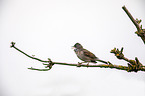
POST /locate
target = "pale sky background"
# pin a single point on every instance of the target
(48, 29)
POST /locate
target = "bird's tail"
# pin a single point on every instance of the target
(102, 61)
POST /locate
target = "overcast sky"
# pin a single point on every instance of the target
(48, 29)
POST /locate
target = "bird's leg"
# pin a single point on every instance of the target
(88, 63)
(79, 64)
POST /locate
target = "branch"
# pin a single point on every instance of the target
(140, 32)
(32, 57)
(38, 69)
(131, 18)
(49, 63)
(133, 65)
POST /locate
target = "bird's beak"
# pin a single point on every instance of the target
(72, 47)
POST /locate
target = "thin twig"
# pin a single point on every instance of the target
(131, 18)
(13, 46)
(140, 32)
(38, 69)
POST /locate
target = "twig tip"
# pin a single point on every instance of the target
(12, 44)
(123, 7)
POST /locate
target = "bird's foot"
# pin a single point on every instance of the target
(79, 64)
(87, 64)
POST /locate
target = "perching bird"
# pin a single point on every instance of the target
(86, 55)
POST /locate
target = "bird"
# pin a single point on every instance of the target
(85, 55)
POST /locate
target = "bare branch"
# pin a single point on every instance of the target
(38, 69)
(133, 65)
(32, 57)
(131, 18)
(140, 32)
(49, 63)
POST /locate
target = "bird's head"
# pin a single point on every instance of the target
(78, 46)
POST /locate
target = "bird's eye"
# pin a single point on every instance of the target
(75, 50)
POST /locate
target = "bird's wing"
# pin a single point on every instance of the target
(89, 54)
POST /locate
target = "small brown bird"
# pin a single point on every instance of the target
(86, 55)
